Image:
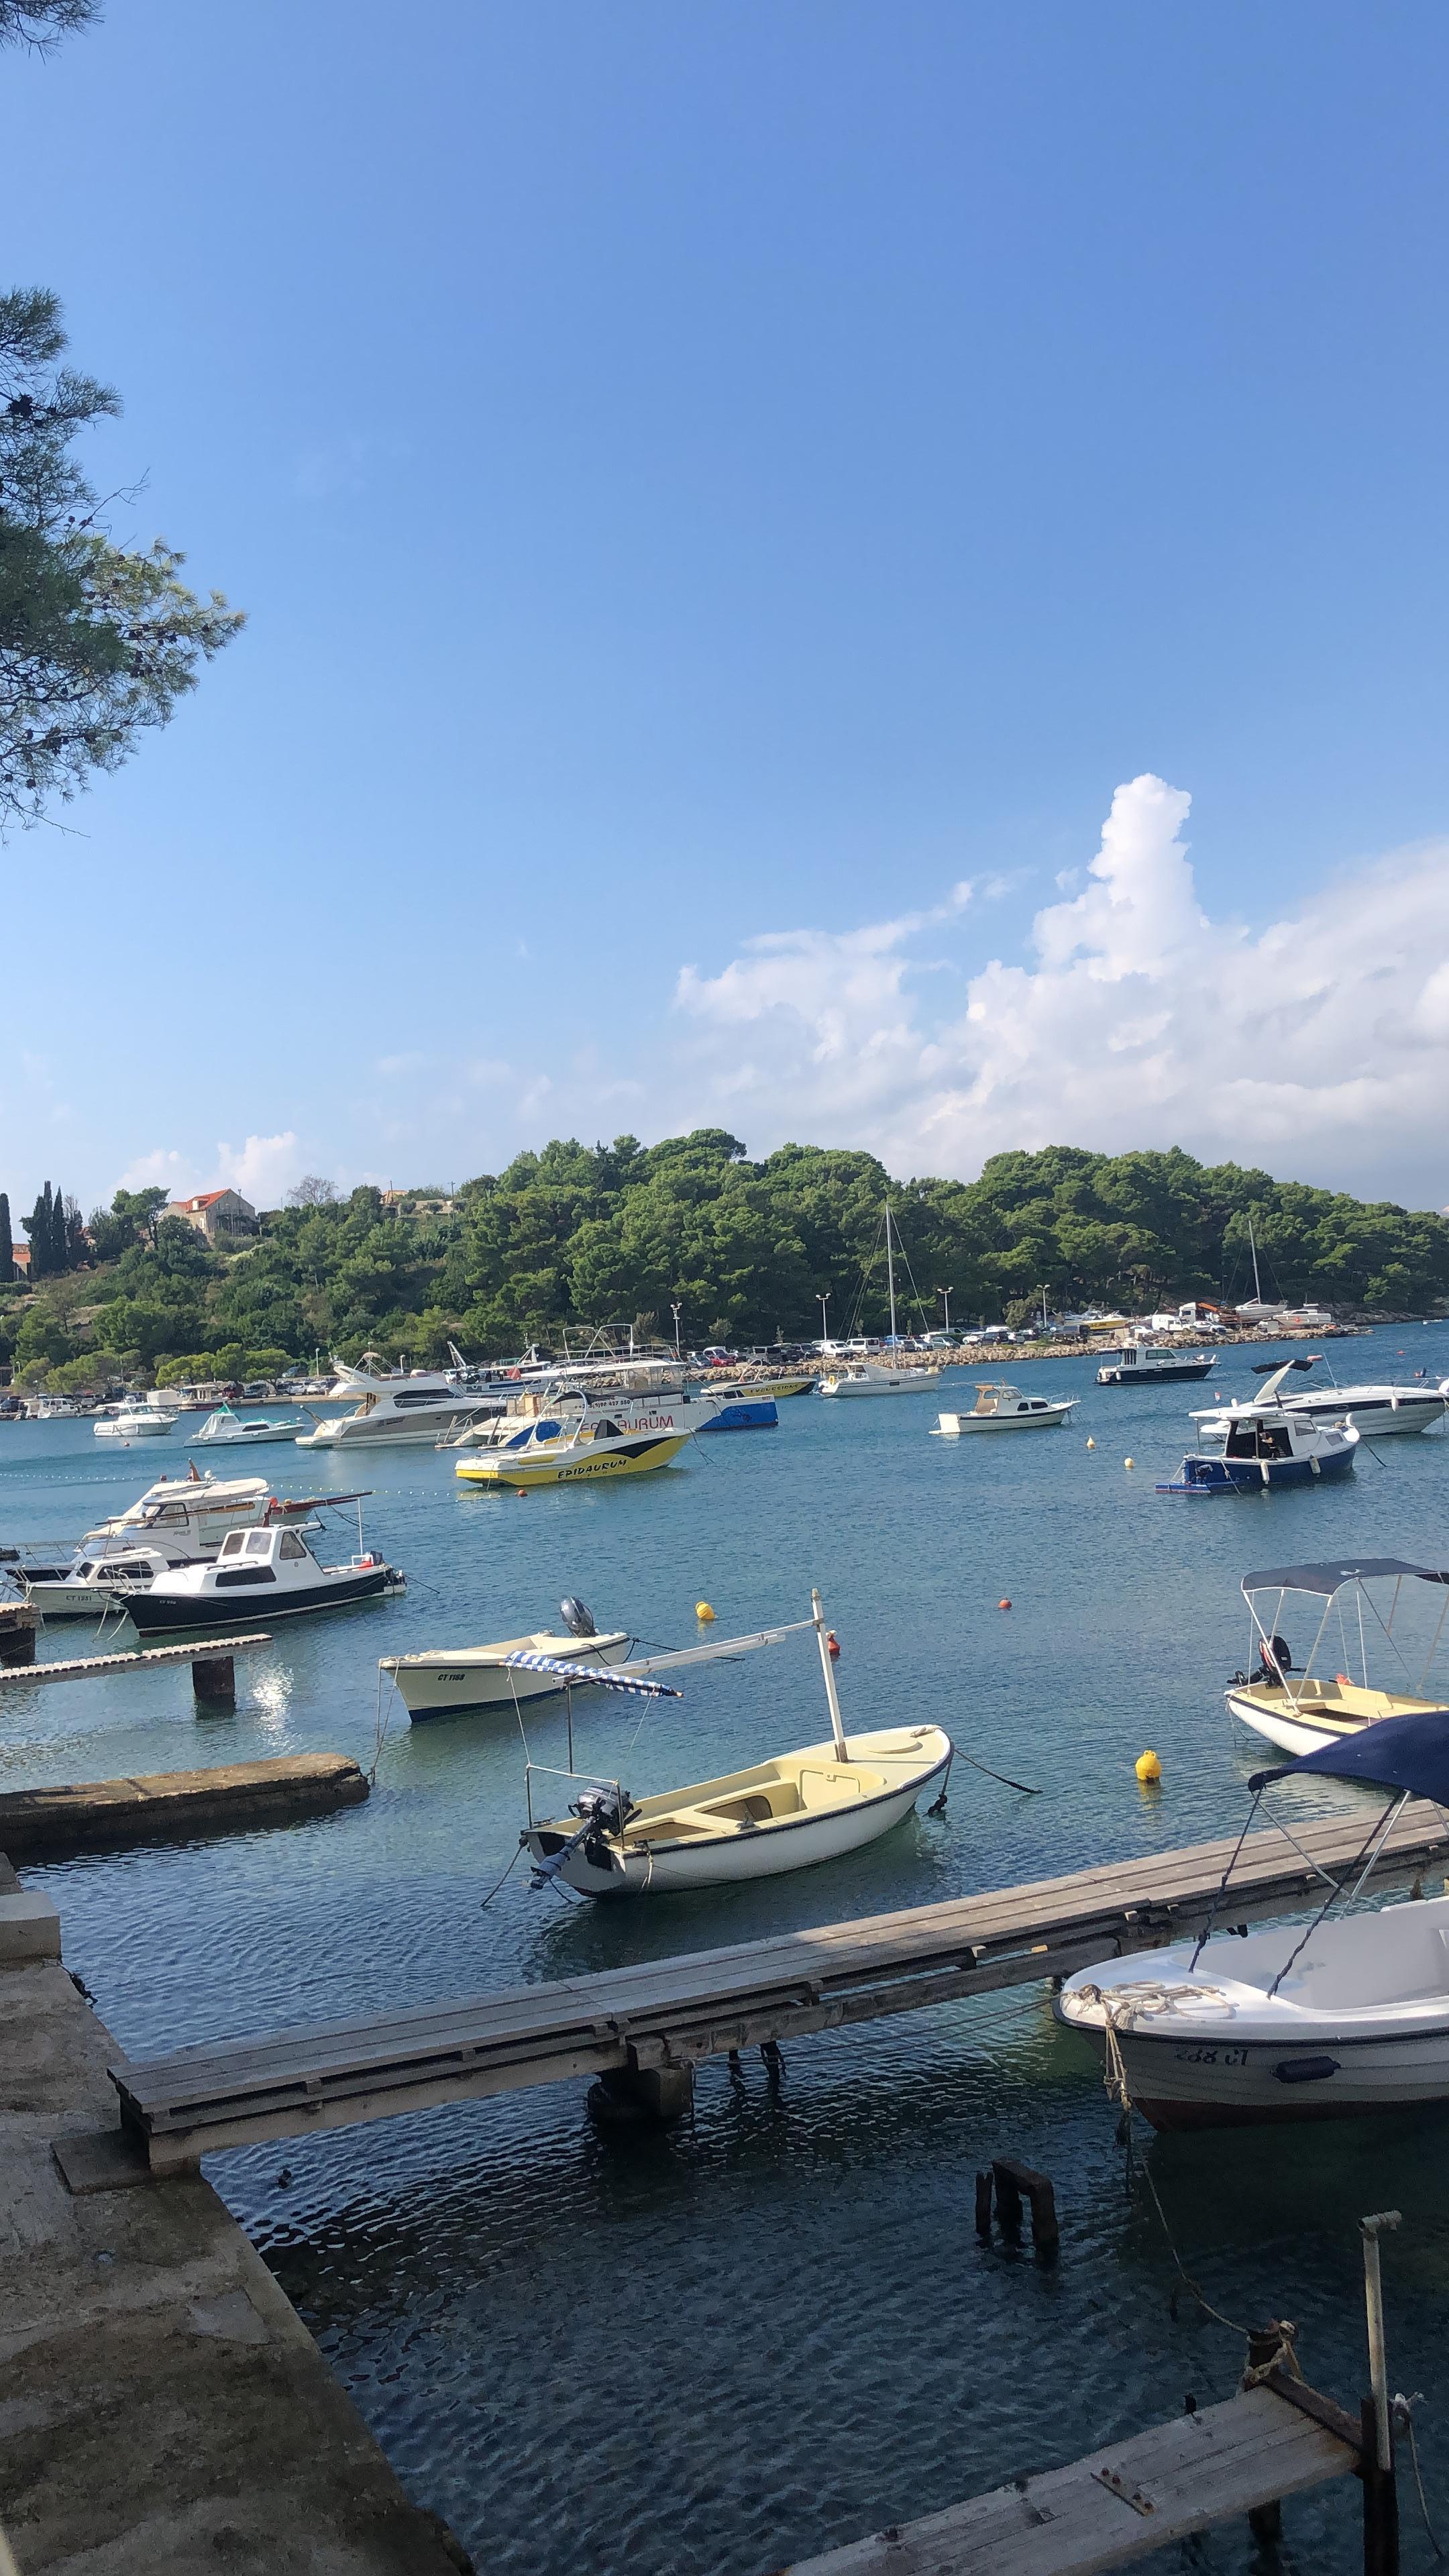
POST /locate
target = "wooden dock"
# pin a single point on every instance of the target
(1125, 2501)
(662, 2017)
(75, 1668)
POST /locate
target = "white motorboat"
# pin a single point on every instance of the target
(94, 1584)
(1382, 1411)
(999, 1407)
(1268, 1448)
(1303, 1709)
(488, 1677)
(224, 1429)
(1147, 1363)
(1345, 2018)
(419, 1407)
(518, 1423)
(787, 1812)
(135, 1421)
(194, 1513)
(258, 1577)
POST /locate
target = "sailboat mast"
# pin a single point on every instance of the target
(890, 1274)
(832, 1696)
(1252, 1247)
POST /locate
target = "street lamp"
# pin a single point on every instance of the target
(675, 1311)
(822, 1301)
(947, 1293)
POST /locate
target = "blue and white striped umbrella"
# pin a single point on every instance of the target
(597, 1673)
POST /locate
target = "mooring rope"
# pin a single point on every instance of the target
(1404, 2409)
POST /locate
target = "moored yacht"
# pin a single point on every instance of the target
(417, 1407)
(1141, 1363)
(1266, 1449)
(260, 1575)
(1382, 1411)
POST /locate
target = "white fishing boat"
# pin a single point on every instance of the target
(999, 1407)
(445, 1684)
(395, 1412)
(787, 1812)
(224, 1429)
(258, 1576)
(1356, 1604)
(1382, 1412)
(1269, 1448)
(136, 1420)
(1146, 1363)
(91, 1587)
(1344, 2018)
(194, 1511)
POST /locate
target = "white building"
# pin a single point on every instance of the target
(223, 1216)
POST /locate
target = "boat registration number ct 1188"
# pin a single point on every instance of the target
(1211, 2056)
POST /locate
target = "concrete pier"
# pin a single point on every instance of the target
(166, 1806)
(164, 2409)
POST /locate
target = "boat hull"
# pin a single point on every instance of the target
(1213, 2083)
(455, 1685)
(1172, 1372)
(139, 1426)
(585, 1465)
(1214, 1474)
(955, 1425)
(252, 1605)
(744, 1413)
(796, 1842)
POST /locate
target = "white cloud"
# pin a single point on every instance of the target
(1319, 1045)
(263, 1169)
(163, 1168)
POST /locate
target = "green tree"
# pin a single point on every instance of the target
(95, 643)
(41, 23)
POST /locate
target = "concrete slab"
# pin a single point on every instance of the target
(29, 1928)
(162, 2406)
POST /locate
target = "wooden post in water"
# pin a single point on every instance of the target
(1380, 2492)
(18, 1623)
(213, 1682)
(1265, 2521)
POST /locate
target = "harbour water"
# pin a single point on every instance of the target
(773, 2326)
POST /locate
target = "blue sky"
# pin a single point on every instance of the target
(709, 484)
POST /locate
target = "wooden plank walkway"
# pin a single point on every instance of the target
(74, 1668)
(1120, 2503)
(674, 2012)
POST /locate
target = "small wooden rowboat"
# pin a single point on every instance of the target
(784, 1813)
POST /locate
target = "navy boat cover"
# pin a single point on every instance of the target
(1329, 1578)
(1405, 1754)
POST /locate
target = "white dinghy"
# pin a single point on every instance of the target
(1343, 2018)
(784, 1813)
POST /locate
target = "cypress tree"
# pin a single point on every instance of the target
(37, 1226)
(7, 1242)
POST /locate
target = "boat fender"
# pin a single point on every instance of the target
(1305, 2070)
(1313, 1463)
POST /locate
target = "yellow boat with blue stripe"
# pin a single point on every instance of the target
(589, 1449)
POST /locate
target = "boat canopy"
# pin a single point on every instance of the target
(1409, 1755)
(599, 1673)
(1328, 1579)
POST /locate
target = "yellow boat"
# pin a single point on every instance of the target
(550, 1453)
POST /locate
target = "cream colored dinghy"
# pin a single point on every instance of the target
(491, 1678)
(1365, 1616)
(999, 1407)
(784, 1813)
(1344, 2018)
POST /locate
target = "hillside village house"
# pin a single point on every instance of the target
(223, 1216)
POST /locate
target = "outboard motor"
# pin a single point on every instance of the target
(601, 1812)
(578, 1621)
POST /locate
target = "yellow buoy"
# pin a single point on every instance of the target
(702, 1610)
(1129, 1462)
(1148, 1767)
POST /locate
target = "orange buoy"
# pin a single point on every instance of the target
(1003, 1605)
(832, 1642)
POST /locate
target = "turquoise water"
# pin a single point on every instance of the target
(772, 2327)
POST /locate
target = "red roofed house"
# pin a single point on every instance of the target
(221, 1215)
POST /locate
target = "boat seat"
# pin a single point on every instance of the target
(821, 1788)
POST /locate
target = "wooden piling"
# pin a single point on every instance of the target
(983, 2203)
(213, 1682)
(1380, 2499)
(1017, 2181)
(18, 1624)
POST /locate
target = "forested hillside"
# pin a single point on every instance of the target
(600, 1234)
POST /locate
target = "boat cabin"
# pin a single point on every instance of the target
(255, 1556)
